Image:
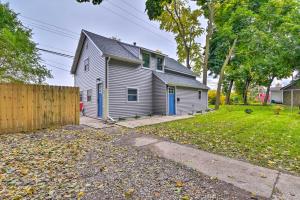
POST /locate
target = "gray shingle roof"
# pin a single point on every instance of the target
(113, 47)
(174, 65)
(177, 80)
(116, 48)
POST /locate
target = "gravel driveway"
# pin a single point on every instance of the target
(84, 163)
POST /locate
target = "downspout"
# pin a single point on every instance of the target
(106, 106)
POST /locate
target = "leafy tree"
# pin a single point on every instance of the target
(209, 13)
(19, 58)
(277, 32)
(95, 2)
(179, 19)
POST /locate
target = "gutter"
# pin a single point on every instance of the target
(135, 61)
(107, 59)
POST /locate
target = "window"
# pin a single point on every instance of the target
(86, 65)
(81, 95)
(89, 95)
(146, 60)
(159, 66)
(132, 94)
(199, 94)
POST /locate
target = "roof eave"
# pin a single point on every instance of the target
(78, 52)
(135, 61)
(188, 86)
(170, 69)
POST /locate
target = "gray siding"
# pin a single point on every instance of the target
(276, 96)
(120, 77)
(189, 101)
(87, 80)
(159, 97)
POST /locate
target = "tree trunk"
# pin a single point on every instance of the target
(268, 91)
(218, 95)
(207, 41)
(229, 92)
(188, 58)
(245, 95)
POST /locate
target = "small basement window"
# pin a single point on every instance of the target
(159, 65)
(81, 96)
(132, 94)
(89, 95)
(146, 60)
(199, 94)
(87, 65)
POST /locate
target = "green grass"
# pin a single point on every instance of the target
(261, 138)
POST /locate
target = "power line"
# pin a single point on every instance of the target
(42, 22)
(53, 66)
(53, 31)
(131, 6)
(52, 47)
(56, 53)
(139, 25)
(132, 14)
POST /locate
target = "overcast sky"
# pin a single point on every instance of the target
(56, 26)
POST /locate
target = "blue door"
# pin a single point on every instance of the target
(172, 110)
(100, 100)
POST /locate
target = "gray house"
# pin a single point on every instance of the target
(119, 80)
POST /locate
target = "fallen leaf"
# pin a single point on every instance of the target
(129, 193)
(179, 184)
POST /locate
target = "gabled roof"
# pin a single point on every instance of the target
(125, 52)
(173, 65)
(277, 88)
(291, 84)
(177, 80)
(109, 47)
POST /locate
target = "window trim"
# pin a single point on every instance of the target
(81, 94)
(149, 60)
(84, 64)
(163, 61)
(87, 95)
(137, 94)
(200, 94)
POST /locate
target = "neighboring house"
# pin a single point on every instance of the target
(276, 95)
(119, 80)
(291, 93)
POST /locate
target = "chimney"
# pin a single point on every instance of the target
(134, 43)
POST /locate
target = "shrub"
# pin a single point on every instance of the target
(212, 97)
(248, 111)
(277, 110)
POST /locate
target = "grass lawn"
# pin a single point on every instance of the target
(261, 138)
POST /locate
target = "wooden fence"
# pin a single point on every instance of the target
(32, 107)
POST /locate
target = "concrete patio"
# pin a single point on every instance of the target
(144, 121)
(93, 123)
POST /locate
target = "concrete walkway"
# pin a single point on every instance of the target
(257, 180)
(93, 123)
(133, 123)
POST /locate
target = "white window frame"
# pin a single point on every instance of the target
(200, 94)
(137, 94)
(84, 64)
(163, 63)
(149, 61)
(87, 95)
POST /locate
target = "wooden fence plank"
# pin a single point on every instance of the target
(33, 107)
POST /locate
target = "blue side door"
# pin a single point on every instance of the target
(100, 100)
(172, 110)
